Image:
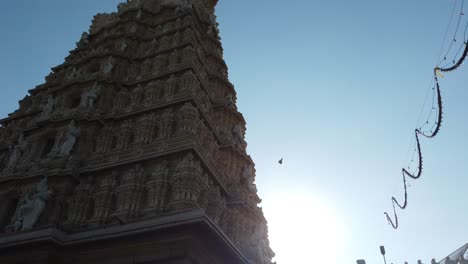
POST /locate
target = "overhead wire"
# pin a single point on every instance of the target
(436, 107)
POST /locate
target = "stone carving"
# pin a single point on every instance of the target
(32, 207)
(121, 99)
(108, 66)
(75, 74)
(165, 121)
(238, 134)
(213, 28)
(249, 178)
(139, 15)
(84, 41)
(16, 151)
(137, 96)
(133, 28)
(130, 193)
(123, 46)
(48, 107)
(148, 98)
(183, 6)
(157, 187)
(70, 139)
(230, 104)
(102, 20)
(88, 98)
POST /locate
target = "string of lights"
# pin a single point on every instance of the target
(430, 128)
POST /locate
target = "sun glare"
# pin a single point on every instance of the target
(302, 229)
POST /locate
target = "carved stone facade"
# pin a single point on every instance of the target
(137, 128)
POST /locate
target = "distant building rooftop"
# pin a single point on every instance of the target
(452, 258)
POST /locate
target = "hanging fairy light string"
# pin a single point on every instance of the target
(433, 122)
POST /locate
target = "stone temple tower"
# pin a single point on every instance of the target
(133, 150)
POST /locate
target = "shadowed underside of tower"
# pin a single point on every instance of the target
(133, 150)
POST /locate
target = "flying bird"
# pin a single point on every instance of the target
(280, 161)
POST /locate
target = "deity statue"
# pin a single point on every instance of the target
(230, 102)
(89, 97)
(121, 99)
(183, 6)
(238, 134)
(32, 207)
(83, 41)
(123, 46)
(249, 178)
(48, 107)
(17, 151)
(108, 66)
(71, 137)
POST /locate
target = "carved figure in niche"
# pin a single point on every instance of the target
(108, 66)
(124, 135)
(213, 28)
(170, 86)
(75, 74)
(17, 150)
(189, 54)
(133, 29)
(25, 103)
(134, 72)
(149, 94)
(136, 3)
(121, 99)
(70, 139)
(230, 102)
(84, 41)
(158, 187)
(137, 96)
(121, 7)
(188, 161)
(187, 80)
(173, 59)
(189, 35)
(183, 6)
(140, 172)
(32, 207)
(158, 63)
(104, 140)
(165, 130)
(147, 67)
(144, 132)
(238, 134)
(164, 42)
(139, 15)
(48, 107)
(88, 98)
(205, 104)
(249, 178)
(123, 46)
(153, 46)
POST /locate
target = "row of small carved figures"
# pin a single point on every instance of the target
(148, 44)
(148, 69)
(127, 136)
(134, 49)
(31, 206)
(155, 91)
(143, 13)
(198, 188)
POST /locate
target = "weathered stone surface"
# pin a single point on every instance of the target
(140, 123)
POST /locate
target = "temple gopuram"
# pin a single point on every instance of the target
(133, 150)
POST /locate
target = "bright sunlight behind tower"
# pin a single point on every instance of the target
(302, 226)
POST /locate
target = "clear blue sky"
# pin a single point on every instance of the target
(334, 87)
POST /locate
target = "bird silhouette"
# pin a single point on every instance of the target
(280, 161)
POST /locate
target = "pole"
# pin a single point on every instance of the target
(385, 261)
(382, 251)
